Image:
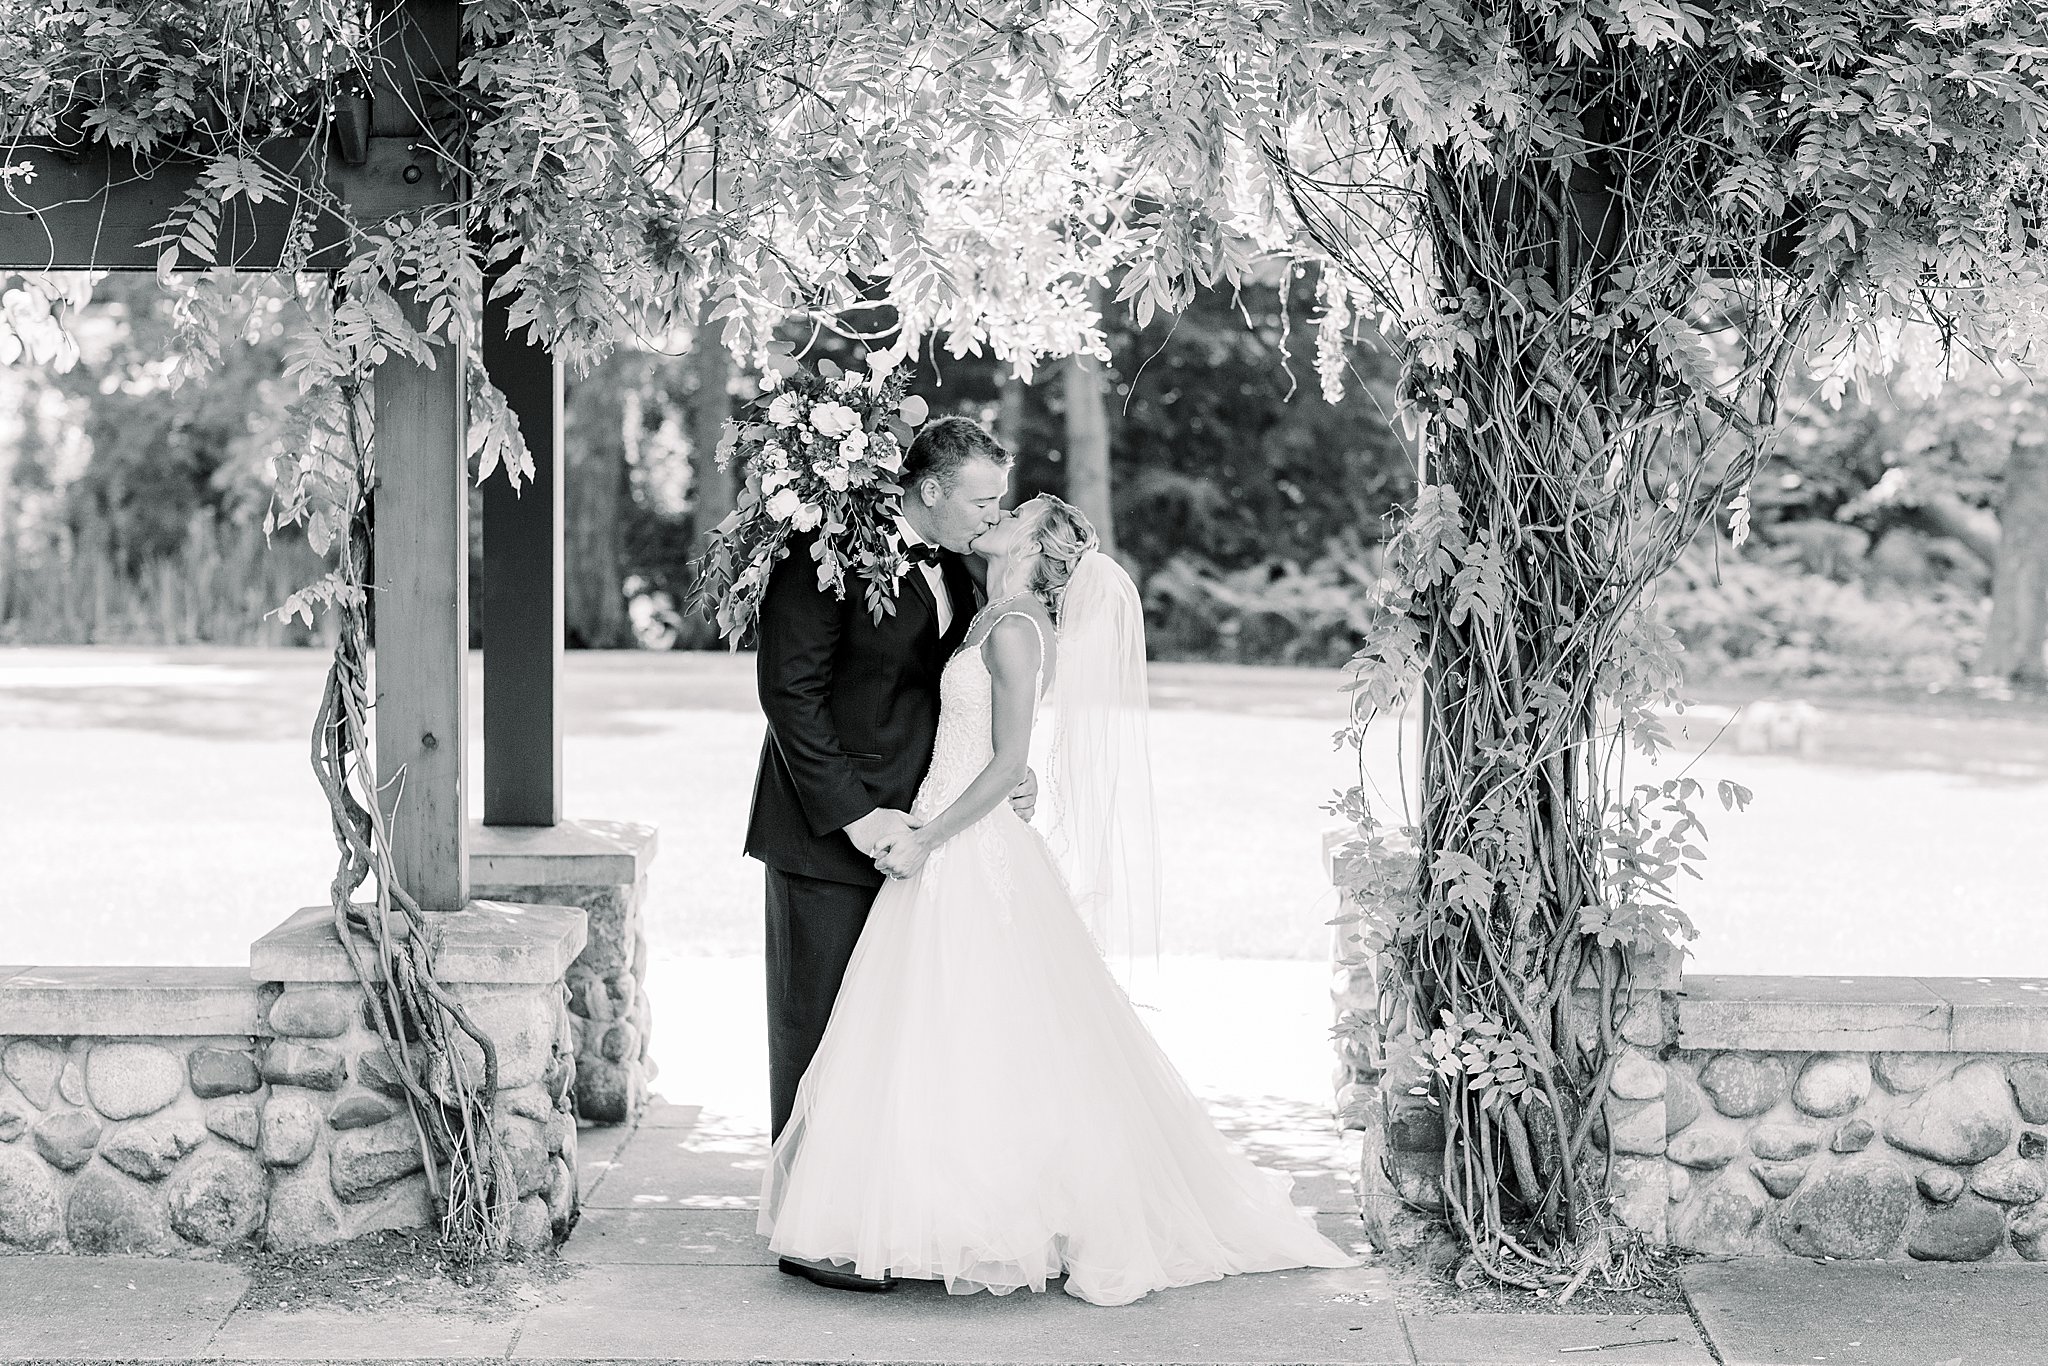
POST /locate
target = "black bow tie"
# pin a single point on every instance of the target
(921, 553)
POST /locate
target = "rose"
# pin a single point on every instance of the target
(852, 444)
(785, 505)
(807, 515)
(782, 412)
(834, 419)
(774, 456)
(835, 477)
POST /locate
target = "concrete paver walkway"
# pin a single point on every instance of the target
(1762, 1313)
(666, 1265)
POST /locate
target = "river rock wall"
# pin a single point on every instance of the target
(1847, 1155)
(292, 1136)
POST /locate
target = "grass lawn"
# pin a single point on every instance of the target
(155, 806)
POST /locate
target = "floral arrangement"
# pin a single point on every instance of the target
(823, 456)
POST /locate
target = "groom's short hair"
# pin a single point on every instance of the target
(944, 445)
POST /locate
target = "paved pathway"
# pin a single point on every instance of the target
(666, 1266)
(1763, 1313)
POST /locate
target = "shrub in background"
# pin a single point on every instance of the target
(1753, 620)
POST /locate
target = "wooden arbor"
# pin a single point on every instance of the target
(97, 212)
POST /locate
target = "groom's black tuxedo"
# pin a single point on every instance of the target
(853, 708)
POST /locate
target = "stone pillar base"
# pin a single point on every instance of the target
(600, 866)
(332, 1127)
(163, 1110)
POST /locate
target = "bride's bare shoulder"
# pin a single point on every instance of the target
(1021, 634)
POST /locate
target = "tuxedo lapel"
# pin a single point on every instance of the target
(923, 586)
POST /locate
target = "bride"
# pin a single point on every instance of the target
(986, 1108)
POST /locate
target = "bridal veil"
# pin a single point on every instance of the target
(1099, 766)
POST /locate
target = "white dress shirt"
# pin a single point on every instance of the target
(931, 574)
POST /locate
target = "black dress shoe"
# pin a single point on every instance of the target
(832, 1278)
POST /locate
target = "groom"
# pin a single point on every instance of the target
(852, 708)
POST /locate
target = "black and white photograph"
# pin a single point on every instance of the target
(1024, 682)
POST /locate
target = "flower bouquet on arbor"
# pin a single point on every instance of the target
(822, 455)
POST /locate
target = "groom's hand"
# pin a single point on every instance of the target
(903, 858)
(875, 832)
(1024, 797)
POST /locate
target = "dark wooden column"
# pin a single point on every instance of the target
(522, 597)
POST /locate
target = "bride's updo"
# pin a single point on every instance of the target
(1063, 537)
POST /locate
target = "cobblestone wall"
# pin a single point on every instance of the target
(1937, 1156)
(601, 868)
(609, 1015)
(292, 1135)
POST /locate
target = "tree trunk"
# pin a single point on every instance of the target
(1010, 414)
(712, 491)
(2014, 638)
(595, 496)
(1088, 485)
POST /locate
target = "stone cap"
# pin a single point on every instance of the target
(485, 941)
(127, 1001)
(1658, 969)
(1863, 1014)
(572, 854)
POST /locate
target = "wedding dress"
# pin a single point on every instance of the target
(987, 1109)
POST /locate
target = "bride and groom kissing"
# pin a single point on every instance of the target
(961, 1090)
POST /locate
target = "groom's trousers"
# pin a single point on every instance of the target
(813, 926)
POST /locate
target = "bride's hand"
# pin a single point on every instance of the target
(905, 856)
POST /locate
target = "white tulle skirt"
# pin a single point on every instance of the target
(988, 1110)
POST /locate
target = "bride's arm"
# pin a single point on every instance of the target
(1012, 654)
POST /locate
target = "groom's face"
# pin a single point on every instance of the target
(974, 503)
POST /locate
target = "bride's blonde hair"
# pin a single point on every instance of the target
(1064, 535)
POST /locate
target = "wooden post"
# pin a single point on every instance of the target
(522, 591)
(421, 531)
(422, 587)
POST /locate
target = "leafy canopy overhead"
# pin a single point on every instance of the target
(984, 158)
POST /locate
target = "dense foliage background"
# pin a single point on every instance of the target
(131, 497)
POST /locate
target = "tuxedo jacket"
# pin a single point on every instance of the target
(852, 707)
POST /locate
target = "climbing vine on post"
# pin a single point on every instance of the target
(1617, 229)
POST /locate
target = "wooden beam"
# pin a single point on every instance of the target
(419, 46)
(421, 538)
(522, 591)
(95, 211)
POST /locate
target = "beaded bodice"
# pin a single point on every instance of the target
(965, 741)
